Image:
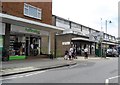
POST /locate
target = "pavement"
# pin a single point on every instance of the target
(29, 65)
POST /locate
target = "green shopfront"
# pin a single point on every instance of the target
(23, 36)
(2, 32)
(24, 42)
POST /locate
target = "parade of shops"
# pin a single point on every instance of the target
(32, 30)
(81, 36)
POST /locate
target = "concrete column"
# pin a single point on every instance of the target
(49, 44)
(55, 45)
(6, 40)
(39, 45)
(95, 49)
(90, 49)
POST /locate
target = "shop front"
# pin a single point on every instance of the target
(81, 44)
(65, 41)
(24, 42)
(24, 38)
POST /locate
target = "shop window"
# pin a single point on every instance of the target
(62, 23)
(16, 48)
(32, 11)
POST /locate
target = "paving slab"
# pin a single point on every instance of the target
(37, 64)
(23, 66)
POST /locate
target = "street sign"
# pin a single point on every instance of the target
(96, 37)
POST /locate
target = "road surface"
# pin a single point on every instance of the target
(85, 71)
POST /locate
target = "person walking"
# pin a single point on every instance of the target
(86, 53)
(70, 53)
(66, 55)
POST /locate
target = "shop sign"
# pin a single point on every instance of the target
(32, 30)
(26, 30)
(65, 43)
(20, 29)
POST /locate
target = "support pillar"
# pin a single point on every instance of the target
(55, 47)
(6, 41)
(90, 49)
(39, 46)
(95, 50)
(49, 44)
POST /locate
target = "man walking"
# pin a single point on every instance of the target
(86, 53)
(70, 53)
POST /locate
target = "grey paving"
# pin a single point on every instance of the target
(85, 71)
(17, 66)
(35, 64)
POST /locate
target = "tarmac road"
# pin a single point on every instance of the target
(86, 71)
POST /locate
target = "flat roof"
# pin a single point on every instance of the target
(109, 43)
(83, 39)
(29, 23)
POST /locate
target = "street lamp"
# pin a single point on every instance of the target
(106, 22)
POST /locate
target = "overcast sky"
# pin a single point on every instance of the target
(89, 13)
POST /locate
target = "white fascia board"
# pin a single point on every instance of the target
(29, 21)
(109, 43)
(80, 39)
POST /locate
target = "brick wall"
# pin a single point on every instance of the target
(62, 48)
(17, 9)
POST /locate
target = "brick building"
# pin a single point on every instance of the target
(27, 28)
(80, 36)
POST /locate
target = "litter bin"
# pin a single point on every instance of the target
(50, 56)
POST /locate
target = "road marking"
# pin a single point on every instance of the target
(35, 73)
(12, 77)
(77, 65)
(72, 66)
(107, 80)
(22, 75)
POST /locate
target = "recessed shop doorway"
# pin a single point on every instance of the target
(27, 46)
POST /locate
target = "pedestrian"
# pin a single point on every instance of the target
(32, 49)
(86, 53)
(74, 53)
(71, 53)
(66, 56)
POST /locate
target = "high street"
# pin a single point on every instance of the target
(85, 71)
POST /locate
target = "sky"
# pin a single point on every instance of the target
(91, 13)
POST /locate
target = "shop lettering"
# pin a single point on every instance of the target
(32, 30)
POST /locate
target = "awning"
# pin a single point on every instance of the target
(28, 23)
(82, 39)
(109, 43)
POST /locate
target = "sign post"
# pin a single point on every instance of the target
(97, 37)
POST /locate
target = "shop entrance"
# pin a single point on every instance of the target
(27, 46)
(24, 45)
(81, 45)
(35, 45)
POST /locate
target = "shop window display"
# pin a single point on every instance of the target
(16, 47)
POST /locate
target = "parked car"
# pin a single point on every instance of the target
(112, 53)
(119, 51)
